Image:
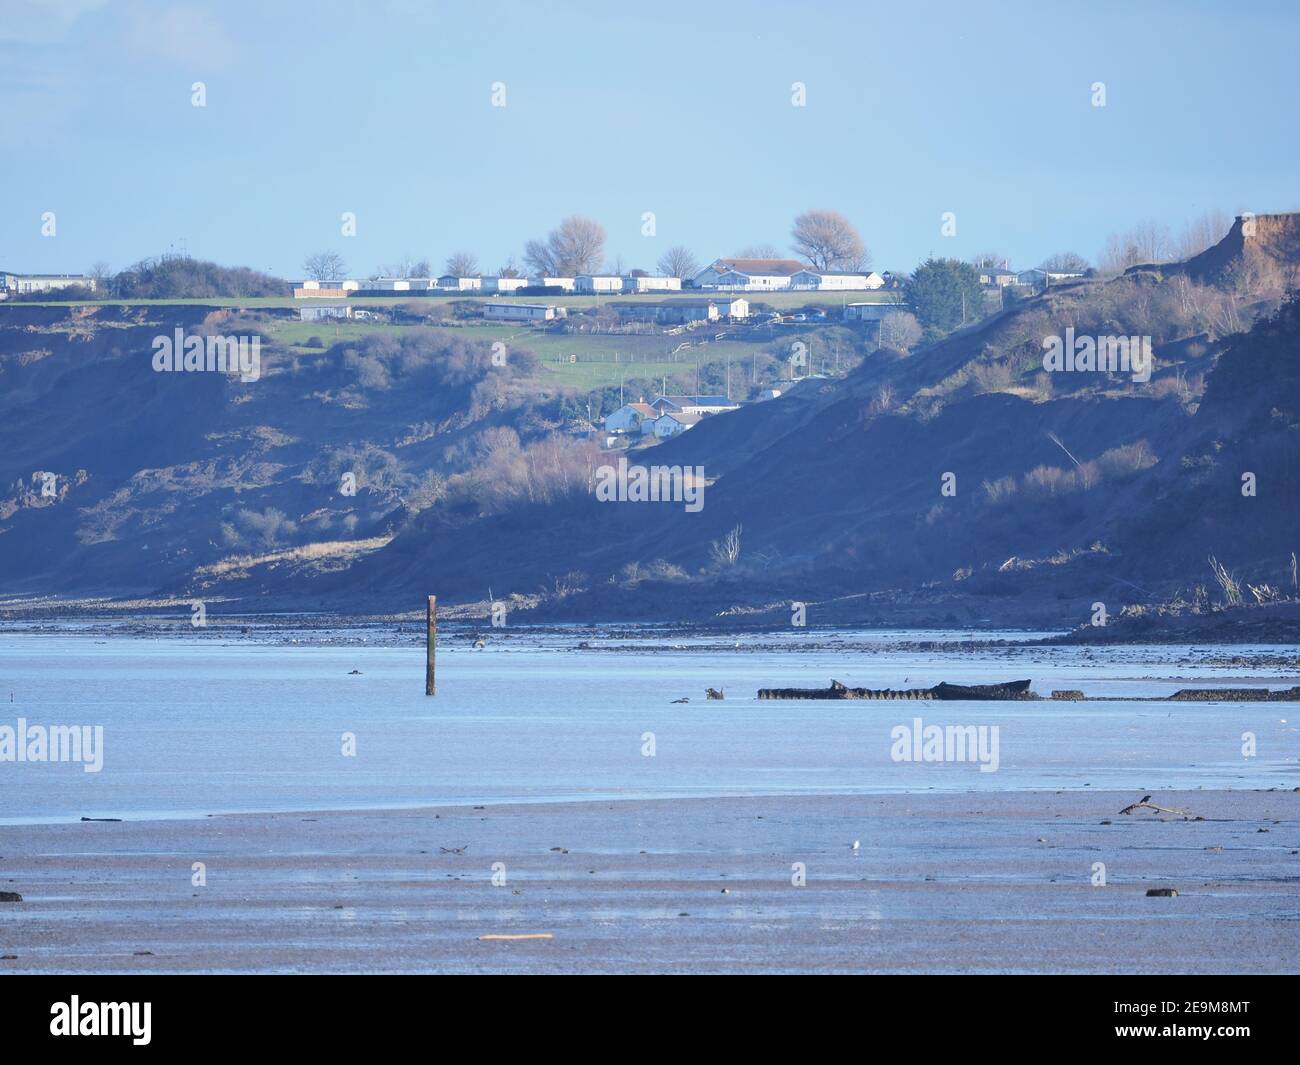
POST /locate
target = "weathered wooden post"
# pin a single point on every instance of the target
(431, 639)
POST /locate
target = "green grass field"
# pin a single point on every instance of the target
(583, 362)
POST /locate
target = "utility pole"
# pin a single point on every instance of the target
(430, 642)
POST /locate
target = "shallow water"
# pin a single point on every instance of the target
(198, 726)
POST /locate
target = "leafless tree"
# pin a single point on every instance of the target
(828, 240)
(101, 271)
(678, 261)
(899, 330)
(1146, 242)
(726, 552)
(758, 251)
(575, 246)
(324, 266)
(1203, 232)
(405, 267)
(462, 264)
(1064, 262)
(986, 259)
(509, 269)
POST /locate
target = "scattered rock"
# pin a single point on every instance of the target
(1162, 893)
(10, 896)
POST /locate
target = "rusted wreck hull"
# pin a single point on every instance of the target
(1015, 689)
(1235, 695)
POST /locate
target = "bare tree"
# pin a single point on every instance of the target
(758, 251)
(1203, 232)
(986, 259)
(726, 552)
(828, 240)
(1146, 242)
(509, 268)
(324, 266)
(678, 261)
(575, 246)
(1064, 262)
(462, 264)
(900, 330)
(405, 267)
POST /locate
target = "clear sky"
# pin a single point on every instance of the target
(684, 109)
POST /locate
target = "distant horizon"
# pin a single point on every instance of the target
(1038, 132)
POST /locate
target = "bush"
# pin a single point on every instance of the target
(1121, 462)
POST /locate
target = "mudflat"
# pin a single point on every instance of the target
(965, 883)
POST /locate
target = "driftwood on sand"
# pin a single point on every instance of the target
(1145, 805)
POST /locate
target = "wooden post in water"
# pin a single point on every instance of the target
(431, 639)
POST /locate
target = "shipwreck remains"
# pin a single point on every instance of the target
(1236, 695)
(1013, 689)
(1020, 690)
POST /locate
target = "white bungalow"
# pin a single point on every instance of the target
(749, 275)
(565, 283)
(675, 424)
(1045, 278)
(29, 283)
(452, 283)
(694, 405)
(652, 284)
(522, 312)
(837, 280)
(504, 285)
(996, 276)
(631, 418)
(329, 310)
(597, 283)
(870, 312)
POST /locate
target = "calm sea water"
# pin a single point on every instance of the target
(193, 727)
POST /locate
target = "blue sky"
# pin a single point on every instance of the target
(684, 109)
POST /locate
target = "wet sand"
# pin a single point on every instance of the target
(940, 883)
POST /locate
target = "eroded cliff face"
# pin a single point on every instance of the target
(1259, 251)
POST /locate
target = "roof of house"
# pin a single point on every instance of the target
(644, 409)
(698, 401)
(685, 419)
(759, 266)
(698, 301)
(46, 277)
(836, 273)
